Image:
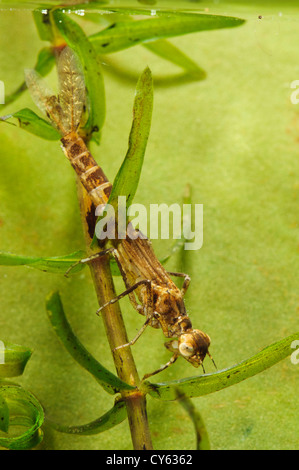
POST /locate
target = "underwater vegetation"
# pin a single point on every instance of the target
(243, 281)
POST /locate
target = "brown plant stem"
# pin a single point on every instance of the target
(116, 333)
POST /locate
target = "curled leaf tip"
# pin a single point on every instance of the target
(13, 359)
(23, 411)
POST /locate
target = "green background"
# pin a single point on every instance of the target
(234, 138)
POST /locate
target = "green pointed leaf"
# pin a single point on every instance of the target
(162, 47)
(13, 359)
(204, 384)
(110, 382)
(130, 33)
(31, 122)
(44, 64)
(168, 51)
(127, 178)
(202, 437)
(4, 414)
(24, 411)
(115, 416)
(78, 41)
(58, 264)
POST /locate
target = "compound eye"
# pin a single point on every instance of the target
(186, 350)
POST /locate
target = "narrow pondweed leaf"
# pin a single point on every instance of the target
(202, 438)
(112, 418)
(162, 47)
(168, 51)
(4, 414)
(44, 64)
(125, 34)
(25, 411)
(127, 178)
(78, 41)
(57, 264)
(31, 122)
(126, 181)
(209, 383)
(13, 359)
(110, 382)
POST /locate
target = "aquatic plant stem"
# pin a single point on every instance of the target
(116, 333)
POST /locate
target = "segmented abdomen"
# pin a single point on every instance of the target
(91, 175)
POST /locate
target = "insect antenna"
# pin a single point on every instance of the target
(212, 360)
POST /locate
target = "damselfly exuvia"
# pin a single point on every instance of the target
(161, 301)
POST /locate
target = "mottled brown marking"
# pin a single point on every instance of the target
(75, 149)
(91, 220)
(83, 163)
(67, 140)
(95, 178)
(107, 191)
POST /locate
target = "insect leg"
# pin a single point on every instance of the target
(169, 363)
(131, 295)
(133, 341)
(126, 292)
(86, 260)
(186, 283)
(149, 311)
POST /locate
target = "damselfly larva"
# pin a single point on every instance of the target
(161, 301)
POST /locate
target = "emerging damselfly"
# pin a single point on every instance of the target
(161, 301)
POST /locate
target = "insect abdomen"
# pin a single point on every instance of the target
(91, 175)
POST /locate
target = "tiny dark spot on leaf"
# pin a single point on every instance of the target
(45, 18)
